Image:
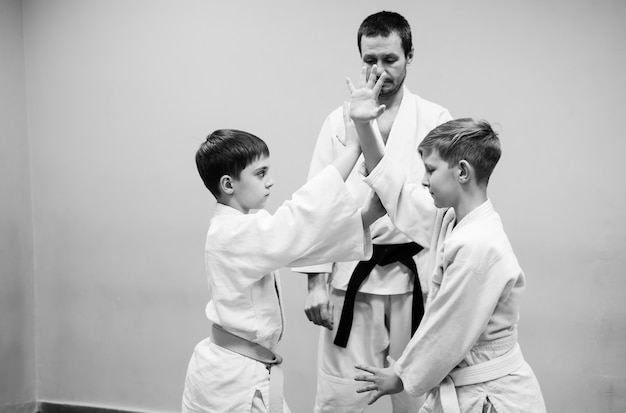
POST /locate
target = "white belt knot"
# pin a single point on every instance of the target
(478, 373)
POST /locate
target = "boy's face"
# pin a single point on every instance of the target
(388, 56)
(252, 188)
(441, 180)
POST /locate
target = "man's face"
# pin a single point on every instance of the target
(387, 54)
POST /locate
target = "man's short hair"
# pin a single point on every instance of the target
(227, 152)
(472, 140)
(383, 24)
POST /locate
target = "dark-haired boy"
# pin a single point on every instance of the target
(236, 369)
(464, 355)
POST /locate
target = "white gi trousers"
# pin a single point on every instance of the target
(381, 327)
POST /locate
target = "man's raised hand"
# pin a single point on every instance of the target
(364, 105)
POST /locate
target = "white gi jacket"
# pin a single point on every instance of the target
(473, 303)
(415, 118)
(243, 253)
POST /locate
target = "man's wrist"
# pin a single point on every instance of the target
(316, 280)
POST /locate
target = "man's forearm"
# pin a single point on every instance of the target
(317, 280)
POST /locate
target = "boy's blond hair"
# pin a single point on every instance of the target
(472, 140)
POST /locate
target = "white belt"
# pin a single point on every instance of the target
(247, 348)
(478, 373)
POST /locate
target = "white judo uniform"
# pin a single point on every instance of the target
(382, 313)
(322, 222)
(473, 304)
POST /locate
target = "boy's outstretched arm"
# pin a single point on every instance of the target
(364, 109)
(348, 157)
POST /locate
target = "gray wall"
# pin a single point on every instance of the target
(17, 306)
(121, 93)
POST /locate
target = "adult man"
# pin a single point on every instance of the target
(378, 320)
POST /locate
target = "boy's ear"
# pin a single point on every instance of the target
(465, 171)
(226, 185)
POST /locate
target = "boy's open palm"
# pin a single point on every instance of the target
(364, 98)
(381, 381)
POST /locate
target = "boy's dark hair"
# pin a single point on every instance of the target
(469, 139)
(227, 152)
(383, 24)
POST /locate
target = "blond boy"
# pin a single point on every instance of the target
(464, 355)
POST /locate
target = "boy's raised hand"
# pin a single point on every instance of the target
(364, 98)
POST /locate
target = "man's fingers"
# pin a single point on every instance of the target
(327, 315)
(326, 318)
(313, 315)
(371, 80)
(363, 77)
(351, 87)
(379, 84)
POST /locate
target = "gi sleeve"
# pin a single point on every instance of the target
(324, 154)
(408, 204)
(455, 318)
(320, 223)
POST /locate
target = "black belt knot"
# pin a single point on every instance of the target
(381, 255)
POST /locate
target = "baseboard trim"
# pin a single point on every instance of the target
(30, 407)
(46, 407)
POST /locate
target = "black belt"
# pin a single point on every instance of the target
(381, 255)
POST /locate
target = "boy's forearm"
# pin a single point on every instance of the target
(371, 144)
(345, 162)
